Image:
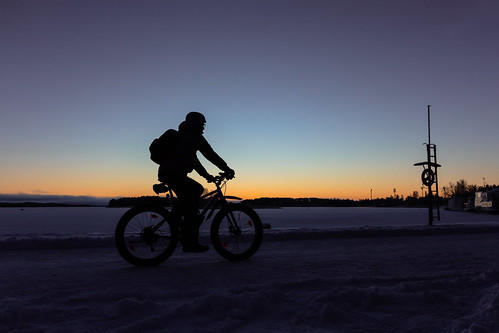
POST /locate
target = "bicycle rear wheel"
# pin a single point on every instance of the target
(236, 232)
(137, 240)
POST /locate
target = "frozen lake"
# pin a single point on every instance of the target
(102, 221)
(296, 282)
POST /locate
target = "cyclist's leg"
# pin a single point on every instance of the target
(188, 192)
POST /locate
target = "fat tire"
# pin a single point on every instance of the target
(138, 215)
(218, 224)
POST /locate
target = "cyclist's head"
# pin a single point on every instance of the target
(196, 121)
(195, 118)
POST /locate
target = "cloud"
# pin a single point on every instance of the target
(61, 199)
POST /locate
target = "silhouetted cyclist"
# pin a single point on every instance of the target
(183, 160)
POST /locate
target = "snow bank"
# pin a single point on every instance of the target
(97, 240)
(44, 242)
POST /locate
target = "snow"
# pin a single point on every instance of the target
(366, 276)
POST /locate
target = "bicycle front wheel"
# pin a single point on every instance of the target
(145, 236)
(236, 232)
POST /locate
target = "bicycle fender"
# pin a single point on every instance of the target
(215, 206)
(232, 197)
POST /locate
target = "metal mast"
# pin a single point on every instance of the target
(430, 176)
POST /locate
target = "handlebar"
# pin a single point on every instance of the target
(221, 177)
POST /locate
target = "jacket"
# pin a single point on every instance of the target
(183, 160)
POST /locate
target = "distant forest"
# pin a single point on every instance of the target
(135, 201)
(319, 202)
(255, 203)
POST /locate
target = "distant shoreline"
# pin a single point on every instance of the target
(258, 203)
(41, 204)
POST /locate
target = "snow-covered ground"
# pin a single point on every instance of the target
(359, 278)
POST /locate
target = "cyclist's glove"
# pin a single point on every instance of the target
(210, 178)
(229, 173)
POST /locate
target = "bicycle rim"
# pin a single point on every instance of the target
(237, 233)
(137, 241)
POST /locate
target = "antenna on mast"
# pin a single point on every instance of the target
(429, 137)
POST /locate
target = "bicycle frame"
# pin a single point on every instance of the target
(216, 197)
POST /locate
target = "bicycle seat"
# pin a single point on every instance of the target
(160, 188)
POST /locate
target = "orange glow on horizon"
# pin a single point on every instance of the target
(245, 193)
(248, 186)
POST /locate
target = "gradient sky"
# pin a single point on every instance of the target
(303, 98)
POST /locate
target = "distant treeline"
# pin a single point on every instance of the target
(318, 202)
(286, 202)
(255, 203)
(299, 202)
(135, 201)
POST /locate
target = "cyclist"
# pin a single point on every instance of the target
(183, 160)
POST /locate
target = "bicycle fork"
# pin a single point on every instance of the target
(234, 228)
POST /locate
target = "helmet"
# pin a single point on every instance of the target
(195, 118)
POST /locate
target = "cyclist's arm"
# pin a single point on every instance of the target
(211, 156)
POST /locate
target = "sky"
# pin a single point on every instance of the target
(302, 98)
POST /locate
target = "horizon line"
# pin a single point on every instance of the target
(90, 199)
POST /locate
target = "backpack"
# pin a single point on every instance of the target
(161, 147)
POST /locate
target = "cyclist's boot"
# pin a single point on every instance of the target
(192, 245)
(190, 240)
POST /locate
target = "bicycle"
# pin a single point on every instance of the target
(147, 235)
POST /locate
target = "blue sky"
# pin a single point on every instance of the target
(302, 98)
